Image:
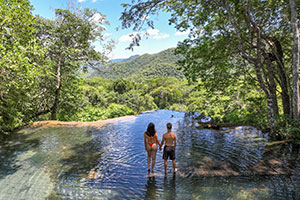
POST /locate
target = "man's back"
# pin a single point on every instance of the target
(170, 138)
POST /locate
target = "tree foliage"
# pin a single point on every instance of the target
(241, 103)
(227, 40)
(68, 40)
(40, 62)
(20, 56)
(237, 59)
(122, 85)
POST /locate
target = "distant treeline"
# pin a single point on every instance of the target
(234, 70)
(106, 98)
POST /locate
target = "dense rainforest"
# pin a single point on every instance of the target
(240, 64)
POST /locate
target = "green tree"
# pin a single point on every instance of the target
(137, 101)
(122, 85)
(166, 96)
(21, 58)
(295, 52)
(97, 91)
(228, 38)
(68, 40)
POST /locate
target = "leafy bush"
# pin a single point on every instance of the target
(117, 110)
(166, 96)
(71, 102)
(289, 130)
(91, 113)
(137, 101)
(122, 85)
(178, 107)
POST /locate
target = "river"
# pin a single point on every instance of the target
(110, 162)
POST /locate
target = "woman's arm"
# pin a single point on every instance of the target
(156, 138)
(145, 142)
(162, 142)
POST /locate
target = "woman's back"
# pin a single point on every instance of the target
(150, 139)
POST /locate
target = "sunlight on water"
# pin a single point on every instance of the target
(110, 162)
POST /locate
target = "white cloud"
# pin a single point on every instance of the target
(182, 32)
(161, 36)
(128, 37)
(103, 27)
(98, 18)
(155, 34)
(152, 32)
(106, 35)
(100, 28)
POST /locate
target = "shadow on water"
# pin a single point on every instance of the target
(82, 158)
(10, 149)
(74, 166)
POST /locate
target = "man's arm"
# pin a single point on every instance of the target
(175, 140)
(162, 141)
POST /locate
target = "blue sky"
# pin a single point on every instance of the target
(161, 38)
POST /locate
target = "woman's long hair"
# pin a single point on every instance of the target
(151, 130)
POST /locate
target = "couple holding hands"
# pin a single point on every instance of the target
(151, 145)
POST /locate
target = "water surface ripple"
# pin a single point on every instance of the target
(110, 163)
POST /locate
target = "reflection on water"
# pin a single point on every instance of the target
(151, 188)
(111, 163)
(170, 187)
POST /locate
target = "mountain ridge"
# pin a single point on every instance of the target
(117, 60)
(161, 64)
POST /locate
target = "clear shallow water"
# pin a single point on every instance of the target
(110, 163)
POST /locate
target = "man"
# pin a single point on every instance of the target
(170, 141)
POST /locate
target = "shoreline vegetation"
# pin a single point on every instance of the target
(107, 99)
(94, 124)
(39, 82)
(226, 127)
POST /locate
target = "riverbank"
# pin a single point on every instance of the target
(94, 124)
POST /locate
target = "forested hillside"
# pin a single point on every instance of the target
(233, 69)
(162, 64)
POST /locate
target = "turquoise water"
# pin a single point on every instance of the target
(111, 163)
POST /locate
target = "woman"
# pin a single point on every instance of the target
(151, 142)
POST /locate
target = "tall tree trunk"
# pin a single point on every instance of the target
(271, 113)
(295, 67)
(269, 87)
(271, 84)
(283, 78)
(272, 105)
(57, 92)
(266, 82)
